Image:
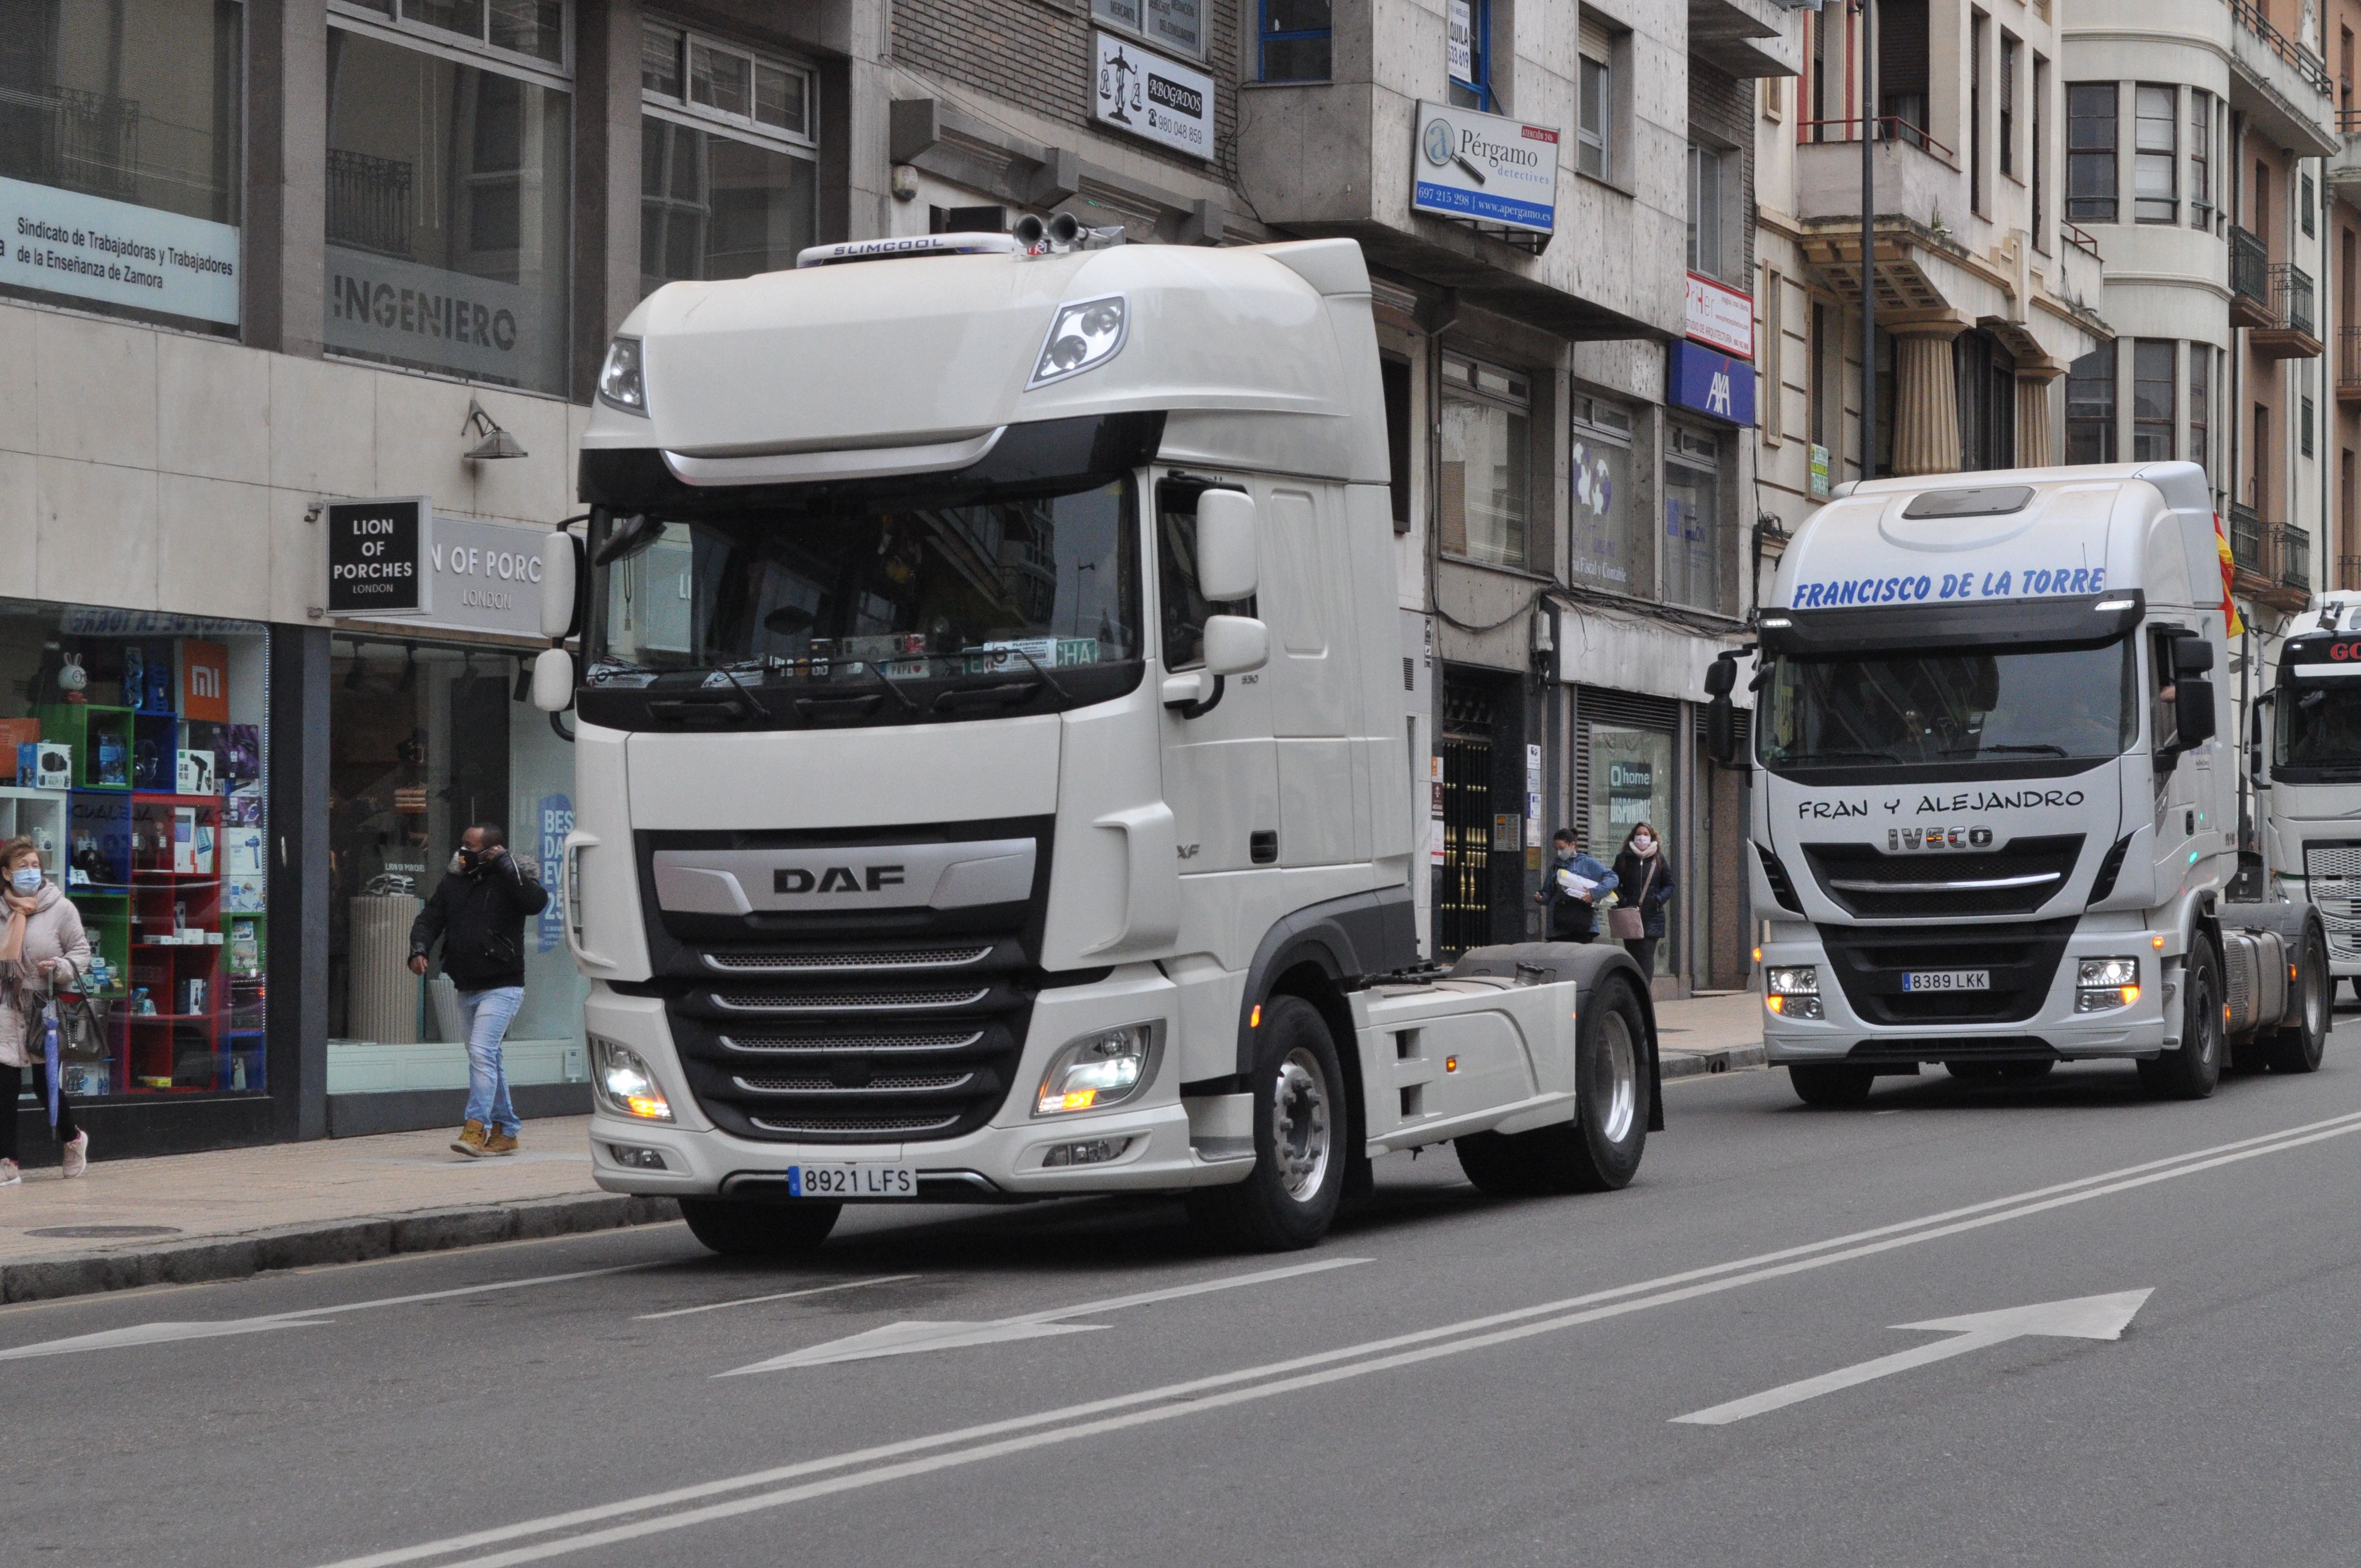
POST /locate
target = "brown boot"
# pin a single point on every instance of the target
(498, 1142)
(470, 1141)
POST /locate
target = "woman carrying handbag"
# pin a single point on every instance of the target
(42, 951)
(1643, 873)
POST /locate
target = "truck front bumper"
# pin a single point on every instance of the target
(2055, 1029)
(1004, 1160)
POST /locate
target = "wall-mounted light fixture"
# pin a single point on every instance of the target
(492, 443)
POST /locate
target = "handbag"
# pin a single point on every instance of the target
(1629, 922)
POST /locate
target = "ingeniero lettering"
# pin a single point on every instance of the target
(422, 314)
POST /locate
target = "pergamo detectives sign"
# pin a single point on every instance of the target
(1150, 96)
(1484, 167)
(375, 550)
(1721, 317)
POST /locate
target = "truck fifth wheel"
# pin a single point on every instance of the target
(991, 777)
(1994, 826)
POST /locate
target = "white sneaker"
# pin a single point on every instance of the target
(9, 1174)
(77, 1157)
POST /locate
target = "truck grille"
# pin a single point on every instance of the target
(2015, 879)
(847, 1026)
(2333, 879)
(1870, 962)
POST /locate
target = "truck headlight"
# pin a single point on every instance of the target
(1098, 1070)
(1793, 979)
(2103, 985)
(625, 1085)
(1084, 336)
(621, 384)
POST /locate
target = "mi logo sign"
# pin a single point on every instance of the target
(205, 681)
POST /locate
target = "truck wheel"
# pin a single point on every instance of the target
(1299, 1123)
(1830, 1083)
(1599, 1150)
(735, 1228)
(1496, 1164)
(2190, 1072)
(2298, 1048)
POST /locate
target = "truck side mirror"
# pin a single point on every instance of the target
(2192, 656)
(2193, 705)
(2256, 771)
(1225, 548)
(553, 680)
(1721, 730)
(561, 585)
(1234, 645)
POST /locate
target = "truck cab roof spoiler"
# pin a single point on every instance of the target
(2053, 620)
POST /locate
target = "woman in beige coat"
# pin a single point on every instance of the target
(41, 946)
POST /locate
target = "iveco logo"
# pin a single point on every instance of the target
(835, 879)
(1900, 840)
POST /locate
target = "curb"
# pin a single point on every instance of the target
(330, 1242)
(1676, 1063)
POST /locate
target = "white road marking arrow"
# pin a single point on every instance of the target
(907, 1337)
(2084, 1317)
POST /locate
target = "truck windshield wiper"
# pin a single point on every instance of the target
(747, 692)
(2030, 748)
(887, 681)
(1047, 678)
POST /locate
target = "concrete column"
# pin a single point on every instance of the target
(1926, 399)
(606, 180)
(285, 216)
(2035, 447)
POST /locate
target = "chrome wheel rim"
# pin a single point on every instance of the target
(2315, 1002)
(1299, 1123)
(1620, 1098)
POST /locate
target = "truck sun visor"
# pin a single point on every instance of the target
(2058, 621)
(1984, 500)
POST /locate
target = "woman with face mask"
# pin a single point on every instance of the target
(42, 949)
(1643, 874)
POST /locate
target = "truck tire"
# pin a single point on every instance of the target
(2298, 1048)
(1830, 1083)
(1496, 1164)
(735, 1228)
(1599, 1150)
(2192, 1071)
(1300, 1132)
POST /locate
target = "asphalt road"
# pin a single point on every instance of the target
(1450, 1378)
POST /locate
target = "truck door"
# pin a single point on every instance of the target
(1323, 797)
(1220, 775)
(2179, 798)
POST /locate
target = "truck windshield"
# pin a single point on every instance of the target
(1867, 709)
(840, 594)
(2318, 732)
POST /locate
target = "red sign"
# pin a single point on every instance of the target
(1720, 317)
(205, 681)
(2341, 652)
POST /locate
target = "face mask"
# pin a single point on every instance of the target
(1643, 843)
(460, 862)
(26, 880)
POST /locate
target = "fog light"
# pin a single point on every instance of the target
(625, 1085)
(1794, 1006)
(2106, 1001)
(632, 1159)
(1093, 1151)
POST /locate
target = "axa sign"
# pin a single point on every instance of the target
(1715, 385)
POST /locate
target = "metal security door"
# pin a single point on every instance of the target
(1463, 903)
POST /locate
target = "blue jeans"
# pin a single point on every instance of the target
(487, 1015)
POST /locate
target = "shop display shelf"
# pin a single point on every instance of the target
(39, 815)
(101, 740)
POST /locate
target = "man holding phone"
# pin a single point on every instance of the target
(479, 911)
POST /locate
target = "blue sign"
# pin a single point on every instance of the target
(556, 820)
(1714, 385)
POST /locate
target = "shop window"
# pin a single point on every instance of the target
(725, 175)
(119, 166)
(1693, 523)
(2090, 406)
(447, 209)
(423, 742)
(2152, 411)
(1610, 547)
(136, 748)
(1468, 39)
(1294, 41)
(1485, 489)
(2090, 150)
(1631, 783)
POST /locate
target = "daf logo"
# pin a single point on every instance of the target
(835, 879)
(1904, 840)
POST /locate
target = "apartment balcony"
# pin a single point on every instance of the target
(2282, 87)
(2294, 330)
(2343, 167)
(2348, 365)
(2272, 561)
(1745, 37)
(2250, 280)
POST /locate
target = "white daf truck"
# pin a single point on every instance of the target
(2306, 767)
(992, 780)
(1993, 826)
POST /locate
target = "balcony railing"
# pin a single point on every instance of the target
(2080, 238)
(1889, 127)
(369, 202)
(2348, 363)
(2293, 550)
(2291, 296)
(2250, 265)
(2246, 537)
(2302, 60)
(2348, 572)
(82, 141)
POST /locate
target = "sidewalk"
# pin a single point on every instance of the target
(233, 1212)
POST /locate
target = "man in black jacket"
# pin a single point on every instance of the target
(478, 910)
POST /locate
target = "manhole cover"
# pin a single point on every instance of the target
(91, 1232)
